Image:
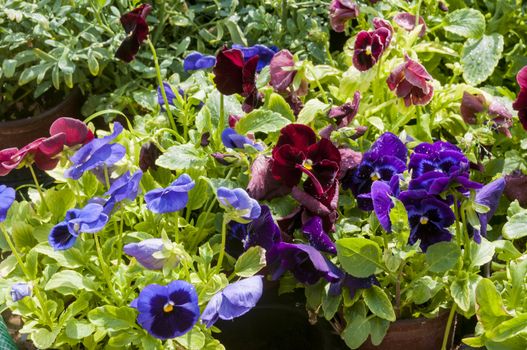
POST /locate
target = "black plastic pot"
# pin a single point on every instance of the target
(278, 323)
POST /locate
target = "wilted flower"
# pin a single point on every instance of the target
(317, 237)
(144, 252)
(20, 290)
(90, 219)
(262, 184)
(429, 218)
(306, 263)
(167, 311)
(233, 301)
(341, 11)
(96, 153)
(148, 156)
(489, 196)
(281, 70)
(369, 46)
(231, 139)
(7, 197)
(516, 187)
(470, 106)
(197, 61)
(520, 104)
(406, 21)
(411, 81)
(125, 187)
(238, 200)
(345, 113)
(136, 28)
(170, 199)
(264, 53)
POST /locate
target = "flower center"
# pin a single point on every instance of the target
(76, 227)
(168, 307)
(308, 164)
(368, 50)
(423, 220)
(375, 176)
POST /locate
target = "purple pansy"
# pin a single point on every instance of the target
(125, 187)
(386, 157)
(306, 263)
(262, 232)
(172, 198)
(317, 237)
(90, 219)
(7, 197)
(353, 283)
(96, 153)
(239, 201)
(169, 93)
(231, 139)
(429, 218)
(489, 195)
(167, 311)
(264, 53)
(143, 252)
(381, 193)
(341, 11)
(233, 301)
(20, 290)
(197, 61)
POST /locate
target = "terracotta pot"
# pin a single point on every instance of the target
(18, 133)
(416, 334)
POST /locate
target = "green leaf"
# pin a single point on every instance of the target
(399, 220)
(377, 123)
(442, 256)
(22, 234)
(330, 303)
(113, 318)
(506, 250)
(509, 328)
(468, 23)
(516, 226)
(44, 339)
(193, 340)
(461, 293)
(356, 331)
(67, 258)
(261, 121)
(93, 64)
(491, 311)
(480, 57)
(379, 328)
(60, 201)
(78, 329)
(311, 109)
(481, 253)
(27, 75)
(250, 262)
(9, 67)
(278, 104)
(180, 157)
(359, 257)
(378, 303)
(236, 33)
(68, 281)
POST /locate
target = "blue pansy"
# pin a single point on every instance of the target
(96, 153)
(488, 196)
(167, 311)
(89, 219)
(125, 187)
(7, 197)
(231, 139)
(144, 251)
(170, 95)
(20, 290)
(235, 300)
(197, 61)
(381, 193)
(317, 237)
(238, 200)
(265, 54)
(172, 198)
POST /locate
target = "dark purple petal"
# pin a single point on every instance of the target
(341, 11)
(148, 156)
(228, 72)
(345, 113)
(406, 21)
(489, 195)
(136, 28)
(516, 187)
(471, 105)
(317, 237)
(281, 78)
(382, 203)
(60, 237)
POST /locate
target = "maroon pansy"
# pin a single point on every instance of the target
(76, 131)
(345, 113)
(281, 70)
(472, 105)
(42, 151)
(136, 28)
(411, 81)
(7, 160)
(369, 46)
(341, 11)
(520, 104)
(516, 187)
(382, 23)
(406, 21)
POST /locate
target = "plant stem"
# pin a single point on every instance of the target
(104, 268)
(317, 82)
(120, 239)
(106, 177)
(417, 13)
(162, 87)
(35, 179)
(221, 121)
(223, 240)
(22, 265)
(448, 326)
(176, 236)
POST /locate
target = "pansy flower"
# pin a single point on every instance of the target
(172, 198)
(96, 153)
(7, 197)
(406, 21)
(317, 237)
(20, 290)
(516, 187)
(411, 81)
(144, 252)
(136, 28)
(369, 46)
(343, 115)
(352, 283)
(489, 196)
(381, 193)
(148, 156)
(520, 104)
(231, 139)
(76, 131)
(238, 202)
(233, 301)
(429, 218)
(385, 158)
(262, 232)
(341, 11)
(198, 61)
(125, 186)
(167, 311)
(306, 263)
(264, 53)
(262, 184)
(7, 160)
(283, 75)
(472, 105)
(90, 219)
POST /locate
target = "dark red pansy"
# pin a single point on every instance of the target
(136, 28)
(76, 131)
(341, 11)
(471, 105)
(369, 46)
(8, 161)
(411, 81)
(345, 113)
(42, 151)
(520, 104)
(406, 21)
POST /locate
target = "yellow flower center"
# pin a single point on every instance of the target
(308, 164)
(375, 176)
(423, 220)
(368, 50)
(168, 307)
